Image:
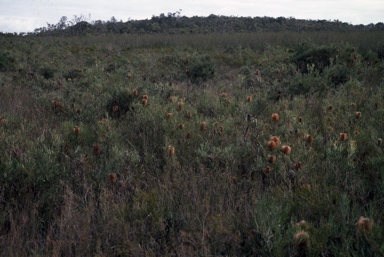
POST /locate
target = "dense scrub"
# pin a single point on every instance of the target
(205, 145)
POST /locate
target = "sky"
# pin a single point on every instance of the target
(27, 15)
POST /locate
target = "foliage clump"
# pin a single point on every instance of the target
(6, 60)
(120, 103)
(201, 69)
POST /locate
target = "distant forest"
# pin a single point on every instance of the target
(174, 23)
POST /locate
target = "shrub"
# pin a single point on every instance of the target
(47, 72)
(320, 56)
(120, 103)
(6, 61)
(201, 69)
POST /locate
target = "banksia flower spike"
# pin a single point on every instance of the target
(303, 225)
(203, 126)
(3, 122)
(180, 106)
(379, 141)
(144, 97)
(301, 239)
(343, 136)
(286, 149)
(144, 102)
(272, 158)
(112, 178)
(271, 144)
(364, 225)
(358, 115)
(298, 166)
(76, 130)
(115, 108)
(276, 140)
(249, 99)
(309, 139)
(267, 169)
(330, 107)
(188, 115)
(96, 149)
(171, 150)
(168, 115)
(135, 92)
(181, 126)
(275, 117)
(224, 95)
(55, 104)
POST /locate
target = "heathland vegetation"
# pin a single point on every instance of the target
(258, 143)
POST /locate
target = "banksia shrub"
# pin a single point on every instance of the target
(301, 239)
(275, 117)
(119, 104)
(364, 225)
(286, 149)
(343, 136)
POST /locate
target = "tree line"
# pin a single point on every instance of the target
(174, 23)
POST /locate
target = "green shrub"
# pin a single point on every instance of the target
(338, 74)
(47, 72)
(320, 56)
(6, 61)
(120, 103)
(201, 69)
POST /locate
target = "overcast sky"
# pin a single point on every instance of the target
(26, 15)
